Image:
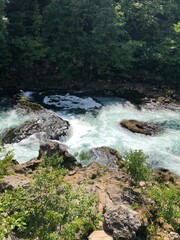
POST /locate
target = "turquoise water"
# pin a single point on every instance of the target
(95, 122)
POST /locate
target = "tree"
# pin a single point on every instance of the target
(151, 24)
(25, 42)
(86, 37)
(135, 165)
(4, 56)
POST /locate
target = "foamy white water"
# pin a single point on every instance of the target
(71, 102)
(100, 127)
(103, 129)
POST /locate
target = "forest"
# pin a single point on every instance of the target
(56, 41)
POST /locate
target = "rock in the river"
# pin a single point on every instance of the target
(141, 127)
(122, 222)
(27, 106)
(48, 149)
(43, 123)
(49, 124)
(106, 156)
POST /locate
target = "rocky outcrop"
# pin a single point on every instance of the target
(52, 127)
(26, 105)
(163, 175)
(28, 167)
(50, 148)
(122, 222)
(141, 127)
(10, 182)
(44, 123)
(106, 156)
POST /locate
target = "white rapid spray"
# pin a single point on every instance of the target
(103, 129)
(95, 122)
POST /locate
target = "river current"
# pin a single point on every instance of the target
(95, 122)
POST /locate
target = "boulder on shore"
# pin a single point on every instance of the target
(122, 222)
(50, 148)
(106, 156)
(141, 127)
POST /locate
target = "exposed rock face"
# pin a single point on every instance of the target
(48, 149)
(163, 175)
(141, 127)
(43, 122)
(13, 181)
(122, 222)
(28, 167)
(106, 156)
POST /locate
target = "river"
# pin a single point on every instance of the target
(95, 122)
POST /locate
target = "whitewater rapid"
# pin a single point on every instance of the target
(95, 122)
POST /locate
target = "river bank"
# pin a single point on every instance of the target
(135, 92)
(128, 211)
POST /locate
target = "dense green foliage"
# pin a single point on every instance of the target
(5, 162)
(60, 40)
(167, 204)
(49, 209)
(135, 165)
(83, 155)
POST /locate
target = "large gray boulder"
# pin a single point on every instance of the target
(122, 222)
(106, 156)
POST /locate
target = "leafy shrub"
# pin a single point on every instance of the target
(135, 165)
(167, 203)
(5, 162)
(54, 161)
(50, 209)
(13, 211)
(83, 155)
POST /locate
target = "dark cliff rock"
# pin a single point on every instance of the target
(48, 149)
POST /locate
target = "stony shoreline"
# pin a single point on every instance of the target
(125, 208)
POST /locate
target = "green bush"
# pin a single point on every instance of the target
(5, 162)
(135, 165)
(49, 209)
(83, 155)
(13, 211)
(167, 203)
(55, 161)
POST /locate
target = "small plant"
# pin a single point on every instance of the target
(55, 161)
(83, 155)
(167, 203)
(5, 162)
(135, 165)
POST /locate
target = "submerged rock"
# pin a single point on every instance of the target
(106, 156)
(141, 127)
